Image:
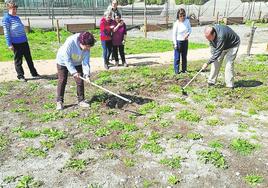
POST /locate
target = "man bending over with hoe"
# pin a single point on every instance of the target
(224, 42)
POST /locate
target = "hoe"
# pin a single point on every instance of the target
(183, 89)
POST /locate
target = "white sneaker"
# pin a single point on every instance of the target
(83, 104)
(59, 106)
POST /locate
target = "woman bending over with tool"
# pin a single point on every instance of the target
(74, 57)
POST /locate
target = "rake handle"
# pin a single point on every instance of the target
(92, 83)
(192, 78)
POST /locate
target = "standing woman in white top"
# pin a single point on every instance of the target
(181, 32)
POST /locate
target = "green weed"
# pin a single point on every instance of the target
(128, 162)
(28, 182)
(91, 121)
(215, 144)
(166, 123)
(47, 144)
(76, 164)
(3, 142)
(180, 100)
(242, 127)
(49, 105)
(194, 136)
(102, 132)
(110, 155)
(144, 109)
(261, 57)
(20, 110)
(253, 179)
(50, 116)
(53, 82)
(153, 146)
(177, 136)
(210, 107)
(214, 121)
(129, 141)
(214, 157)
(114, 145)
(33, 86)
(173, 180)
(188, 116)
(243, 146)
(20, 101)
(29, 134)
(72, 115)
(175, 89)
(174, 162)
(54, 134)
(163, 109)
(9, 179)
(35, 152)
(80, 145)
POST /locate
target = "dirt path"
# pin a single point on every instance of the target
(48, 67)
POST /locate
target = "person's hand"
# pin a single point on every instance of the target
(112, 26)
(205, 65)
(175, 47)
(11, 47)
(87, 76)
(76, 75)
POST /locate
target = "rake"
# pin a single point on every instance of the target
(183, 89)
(104, 89)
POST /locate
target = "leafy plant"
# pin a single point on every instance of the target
(76, 164)
(214, 121)
(36, 152)
(93, 120)
(166, 123)
(210, 107)
(72, 115)
(214, 157)
(102, 132)
(144, 109)
(49, 144)
(49, 105)
(180, 100)
(50, 116)
(174, 162)
(215, 144)
(128, 162)
(54, 134)
(194, 136)
(173, 180)
(28, 182)
(29, 134)
(188, 116)
(253, 179)
(153, 146)
(3, 142)
(80, 145)
(243, 146)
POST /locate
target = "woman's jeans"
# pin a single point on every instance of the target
(182, 49)
(106, 50)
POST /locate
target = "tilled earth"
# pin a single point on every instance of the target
(116, 144)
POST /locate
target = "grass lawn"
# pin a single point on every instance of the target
(44, 45)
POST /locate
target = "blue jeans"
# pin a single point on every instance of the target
(182, 49)
(106, 50)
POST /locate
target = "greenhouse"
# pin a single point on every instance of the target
(62, 3)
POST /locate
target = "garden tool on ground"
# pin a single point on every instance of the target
(183, 89)
(92, 83)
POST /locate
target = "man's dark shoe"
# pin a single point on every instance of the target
(36, 76)
(211, 84)
(106, 66)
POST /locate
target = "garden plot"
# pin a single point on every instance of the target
(214, 137)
